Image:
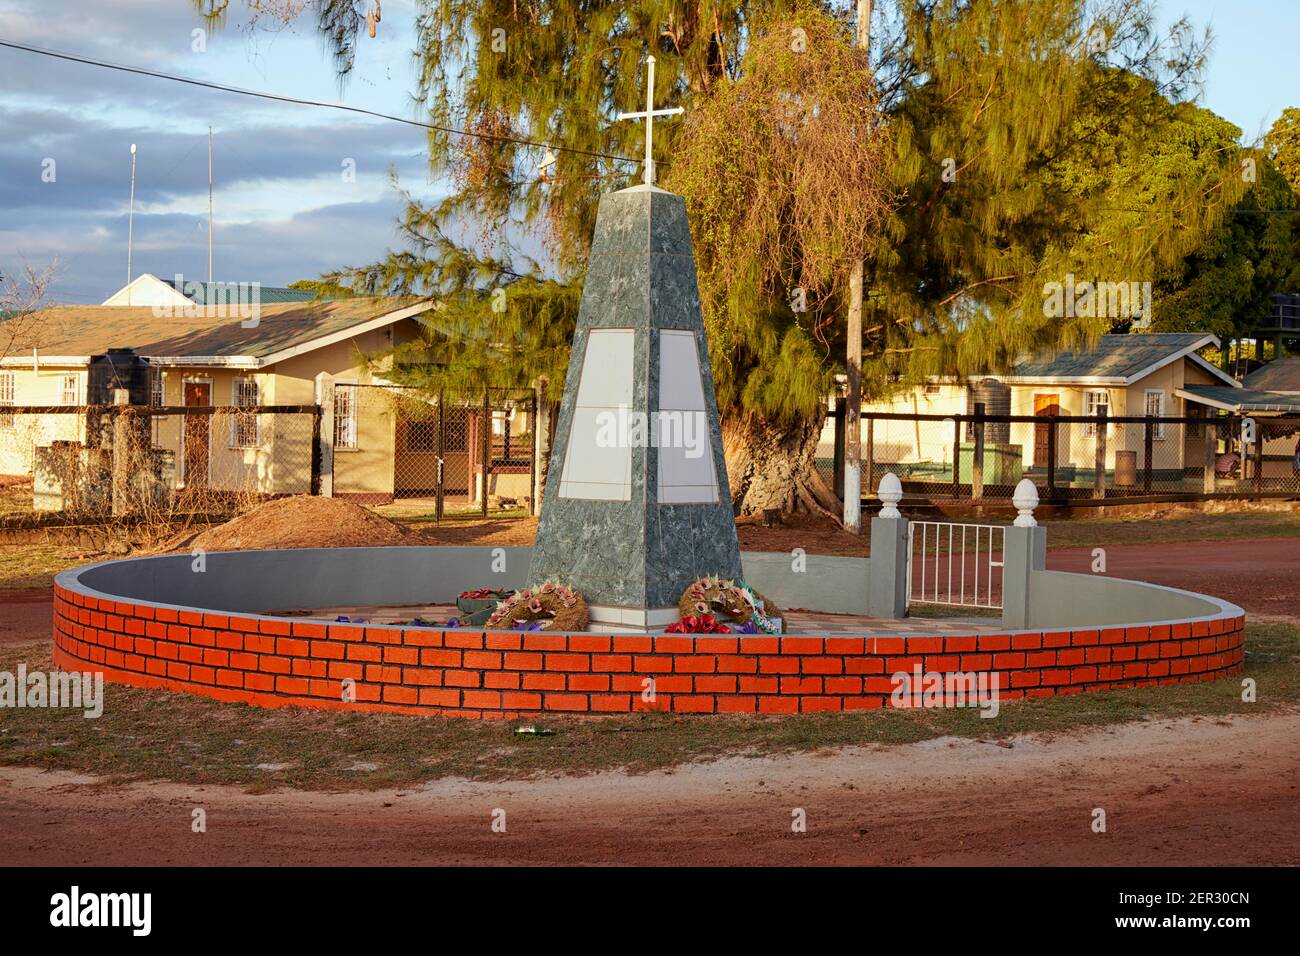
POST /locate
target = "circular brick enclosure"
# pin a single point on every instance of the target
(235, 655)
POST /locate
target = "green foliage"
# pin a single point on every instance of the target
(1030, 137)
(1225, 285)
(559, 72)
(785, 175)
(505, 338)
(323, 288)
(1283, 145)
(1031, 140)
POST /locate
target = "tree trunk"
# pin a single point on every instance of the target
(772, 465)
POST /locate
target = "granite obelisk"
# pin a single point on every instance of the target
(637, 504)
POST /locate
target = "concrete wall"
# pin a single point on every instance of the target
(827, 582)
(255, 581)
(316, 577)
(1067, 600)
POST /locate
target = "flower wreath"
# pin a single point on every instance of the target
(550, 606)
(730, 601)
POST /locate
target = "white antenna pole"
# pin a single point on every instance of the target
(209, 205)
(130, 221)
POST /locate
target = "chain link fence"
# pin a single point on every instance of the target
(445, 453)
(1073, 458)
(374, 444)
(150, 464)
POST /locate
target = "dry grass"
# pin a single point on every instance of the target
(35, 565)
(152, 734)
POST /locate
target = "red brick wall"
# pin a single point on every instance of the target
(279, 661)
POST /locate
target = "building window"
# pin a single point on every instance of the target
(345, 416)
(69, 395)
(6, 398)
(1154, 406)
(422, 434)
(1095, 403)
(243, 430)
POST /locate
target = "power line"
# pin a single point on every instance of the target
(281, 98)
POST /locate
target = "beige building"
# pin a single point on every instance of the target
(1157, 374)
(207, 356)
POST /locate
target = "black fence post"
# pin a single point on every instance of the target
(837, 457)
(1148, 446)
(869, 458)
(1259, 455)
(1099, 457)
(1210, 456)
(315, 450)
(977, 456)
(1051, 457)
(956, 457)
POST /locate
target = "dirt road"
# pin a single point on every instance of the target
(1261, 575)
(1174, 792)
(26, 614)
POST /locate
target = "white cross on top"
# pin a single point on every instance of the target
(649, 114)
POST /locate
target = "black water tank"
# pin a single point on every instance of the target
(118, 368)
(996, 397)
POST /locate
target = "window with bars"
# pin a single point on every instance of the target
(243, 430)
(70, 390)
(345, 416)
(6, 398)
(422, 434)
(1095, 403)
(1154, 405)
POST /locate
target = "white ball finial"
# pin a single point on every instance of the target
(891, 493)
(1026, 500)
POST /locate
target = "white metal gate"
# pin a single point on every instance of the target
(955, 564)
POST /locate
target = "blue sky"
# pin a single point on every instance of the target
(1254, 70)
(283, 211)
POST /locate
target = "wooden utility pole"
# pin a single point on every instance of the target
(853, 360)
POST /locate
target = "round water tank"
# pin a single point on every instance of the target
(117, 368)
(996, 398)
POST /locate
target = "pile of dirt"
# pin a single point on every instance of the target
(304, 522)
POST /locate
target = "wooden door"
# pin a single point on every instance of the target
(196, 436)
(1044, 406)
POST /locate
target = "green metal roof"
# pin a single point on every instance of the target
(1244, 399)
(1118, 357)
(217, 293)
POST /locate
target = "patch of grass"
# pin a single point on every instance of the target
(149, 734)
(35, 565)
(1085, 532)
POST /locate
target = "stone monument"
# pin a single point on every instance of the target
(637, 504)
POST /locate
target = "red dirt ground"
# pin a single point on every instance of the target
(26, 614)
(1188, 792)
(1193, 792)
(1260, 575)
